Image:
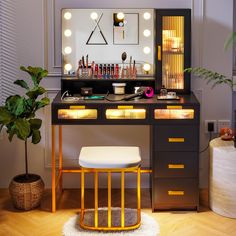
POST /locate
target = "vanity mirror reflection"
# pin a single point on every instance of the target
(94, 40)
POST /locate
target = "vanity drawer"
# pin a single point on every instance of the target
(175, 193)
(182, 114)
(176, 137)
(175, 164)
(128, 114)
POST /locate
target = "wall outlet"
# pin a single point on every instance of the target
(214, 122)
(223, 123)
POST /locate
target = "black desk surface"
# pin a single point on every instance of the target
(189, 99)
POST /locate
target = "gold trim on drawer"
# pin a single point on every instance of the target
(175, 193)
(174, 107)
(77, 107)
(176, 166)
(176, 140)
(125, 107)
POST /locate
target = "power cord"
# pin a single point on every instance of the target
(210, 137)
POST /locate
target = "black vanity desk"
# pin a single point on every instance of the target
(174, 142)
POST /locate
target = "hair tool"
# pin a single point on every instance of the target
(146, 92)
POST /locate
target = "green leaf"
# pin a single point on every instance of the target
(23, 128)
(42, 103)
(11, 132)
(15, 104)
(35, 123)
(35, 92)
(230, 41)
(22, 83)
(1, 126)
(5, 116)
(36, 136)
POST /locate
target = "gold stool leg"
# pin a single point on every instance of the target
(109, 198)
(96, 199)
(122, 199)
(82, 196)
(138, 196)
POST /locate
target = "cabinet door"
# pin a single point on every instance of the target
(173, 39)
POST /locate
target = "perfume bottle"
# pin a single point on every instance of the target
(163, 91)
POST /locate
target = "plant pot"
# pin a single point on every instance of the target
(26, 193)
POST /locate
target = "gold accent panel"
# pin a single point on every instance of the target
(77, 114)
(180, 114)
(125, 107)
(176, 166)
(126, 114)
(174, 107)
(176, 140)
(175, 193)
(77, 107)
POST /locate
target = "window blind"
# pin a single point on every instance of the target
(8, 49)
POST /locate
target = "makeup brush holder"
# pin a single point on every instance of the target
(84, 72)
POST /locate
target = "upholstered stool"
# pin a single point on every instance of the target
(108, 159)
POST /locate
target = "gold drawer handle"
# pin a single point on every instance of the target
(175, 193)
(159, 53)
(125, 107)
(77, 107)
(176, 140)
(176, 166)
(174, 107)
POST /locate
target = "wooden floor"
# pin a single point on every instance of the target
(41, 222)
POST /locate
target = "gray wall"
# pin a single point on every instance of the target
(38, 43)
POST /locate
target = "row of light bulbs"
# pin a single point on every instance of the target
(94, 16)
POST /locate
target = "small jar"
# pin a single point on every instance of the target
(163, 91)
(119, 88)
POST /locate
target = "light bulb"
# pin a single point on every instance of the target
(120, 15)
(146, 33)
(67, 15)
(146, 67)
(146, 15)
(68, 50)
(146, 50)
(94, 15)
(67, 33)
(68, 67)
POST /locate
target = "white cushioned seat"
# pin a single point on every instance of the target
(109, 157)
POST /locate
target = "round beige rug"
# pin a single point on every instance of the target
(149, 227)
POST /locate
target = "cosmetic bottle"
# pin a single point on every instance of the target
(96, 71)
(117, 71)
(104, 72)
(108, 71)
(112, 71)
(163, 91)
(100, 71)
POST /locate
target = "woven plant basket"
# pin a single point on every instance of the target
(26, 195)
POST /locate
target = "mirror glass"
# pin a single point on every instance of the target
(94, 37)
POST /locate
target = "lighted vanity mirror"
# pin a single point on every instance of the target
(94, 39)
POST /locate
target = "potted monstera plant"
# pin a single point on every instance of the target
(18, 116)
